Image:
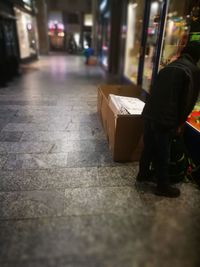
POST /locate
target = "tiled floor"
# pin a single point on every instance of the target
(63, 201)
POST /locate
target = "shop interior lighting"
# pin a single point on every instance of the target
(60, 26)
(134, 5)
(172, 14)
(103, 5)
(88, 20)
(107, 15)
(51, 25)
(77, 38)
(170, 27)
(105, 48)
(155, 6)
(29, 26)
(61, 34)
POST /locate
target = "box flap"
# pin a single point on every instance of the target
(122, 90)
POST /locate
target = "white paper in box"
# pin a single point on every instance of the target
(126, 105)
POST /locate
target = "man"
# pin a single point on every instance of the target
(171, 100)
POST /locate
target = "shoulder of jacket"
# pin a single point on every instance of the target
(173, 68)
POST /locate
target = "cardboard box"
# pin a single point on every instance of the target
(123, 132)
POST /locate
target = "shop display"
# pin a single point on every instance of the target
(27, 33)
(194, 118)
(105, 41)
(133, 39)
(103, 32)
(175, 39)
(153, 32)
(192, 134)
(57, 36)
(182, 26)
(8, 45)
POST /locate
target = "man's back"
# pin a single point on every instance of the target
(173, 94)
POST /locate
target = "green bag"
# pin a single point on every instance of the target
(182, 167)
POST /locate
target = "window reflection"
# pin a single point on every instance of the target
(133, 39)
(176, 33)
(152, 37)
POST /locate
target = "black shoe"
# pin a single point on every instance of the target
(145, 177)
(167, 191)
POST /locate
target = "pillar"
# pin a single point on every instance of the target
(42, 22)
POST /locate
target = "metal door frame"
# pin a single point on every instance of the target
(158, 42)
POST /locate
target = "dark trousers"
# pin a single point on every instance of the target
(157, 143)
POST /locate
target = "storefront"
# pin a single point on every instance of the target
(104, 33)
(87, 30)
(135, 15)
(27, 30)
(8, 43)
(56, 33)
(109, 34)
(192, 133)
(157, 31)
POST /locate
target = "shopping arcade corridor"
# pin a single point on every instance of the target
(63, 201)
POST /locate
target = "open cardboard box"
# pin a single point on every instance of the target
(124, 132)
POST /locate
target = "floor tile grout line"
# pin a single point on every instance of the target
(67, 188)
(125, 215)
(70, 167)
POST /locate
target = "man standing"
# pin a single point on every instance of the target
(171, 100)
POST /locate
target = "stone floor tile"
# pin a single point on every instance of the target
(83, 159)
(3, 160)
(36, 161)
(27, 103)
(76, 125)
(80, 146)
(45, 136)
(21, 119)
(29, 180)
(3, 122)
(13, 162)
(109, 240)
(7, 114)
(59, 262)
(96, 237)
(26, 127)
(31, 204)
(96, 200)
(91, 159)
(117, 176)
(25, 147)
(10, 136)
(79, 208)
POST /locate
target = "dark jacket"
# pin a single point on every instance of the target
(174, 93)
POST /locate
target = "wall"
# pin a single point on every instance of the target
(70, 5)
